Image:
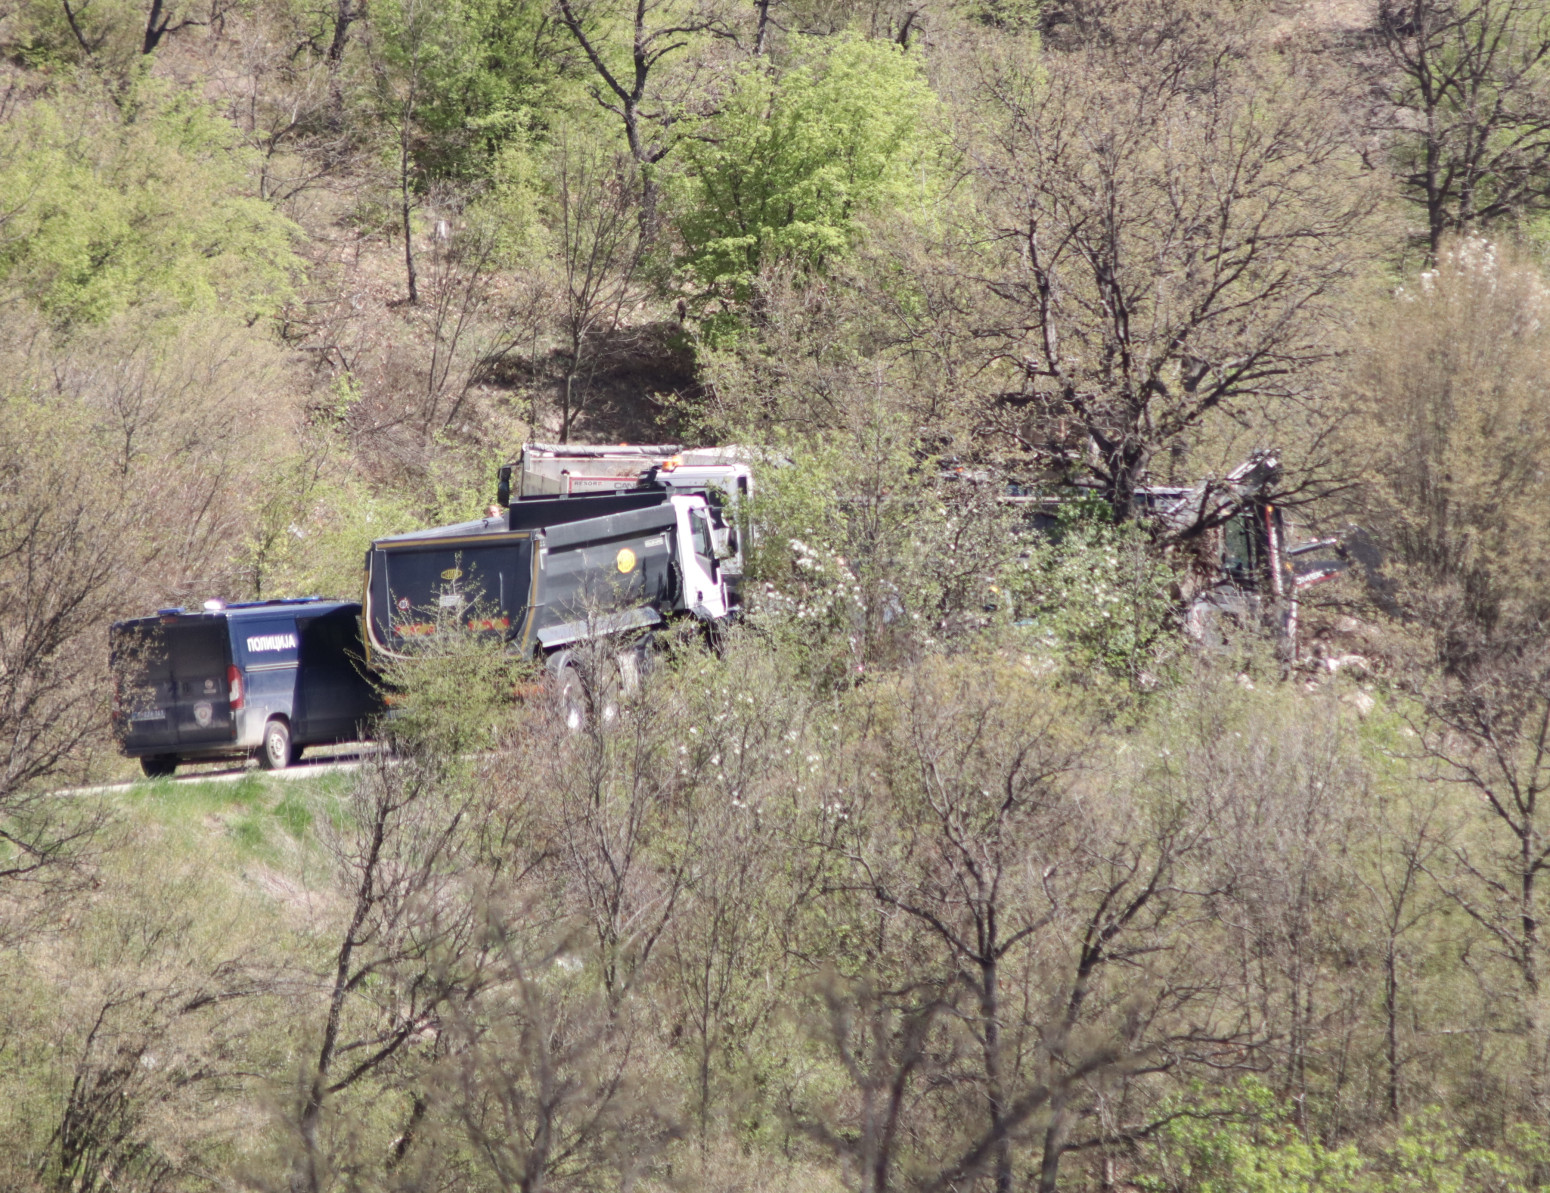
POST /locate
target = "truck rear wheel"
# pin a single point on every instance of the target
(570, 695)
(594, 682)
(159, 766)
(277, 753)
(637, 662)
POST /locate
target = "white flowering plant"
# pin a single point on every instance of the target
(1098, 594)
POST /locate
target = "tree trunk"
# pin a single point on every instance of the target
(305, 1178)
(1529, 926)
(1391, 1012)
(155, 26)
(1126, 463)
(345, 14)
(414, 290)
(995, 1079)
(1054, 1148)
(761, 39)
(566, 407)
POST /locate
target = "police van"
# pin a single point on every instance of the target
(264, 677)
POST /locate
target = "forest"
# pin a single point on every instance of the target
(957, 864)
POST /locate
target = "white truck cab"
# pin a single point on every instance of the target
(704, 575)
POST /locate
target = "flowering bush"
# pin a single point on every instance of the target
(1097, 593)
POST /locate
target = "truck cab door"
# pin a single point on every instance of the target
(704, 592)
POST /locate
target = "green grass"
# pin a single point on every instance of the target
(257, 816)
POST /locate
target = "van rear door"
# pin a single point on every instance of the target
(143, 691)
(199, 652)
(268, 647)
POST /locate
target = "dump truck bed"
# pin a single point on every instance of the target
(551, 572)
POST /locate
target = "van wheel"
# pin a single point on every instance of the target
(277, 753)
(159, 766)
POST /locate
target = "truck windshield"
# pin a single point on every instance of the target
(421, 591)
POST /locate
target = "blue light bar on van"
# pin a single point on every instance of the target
(169, 612)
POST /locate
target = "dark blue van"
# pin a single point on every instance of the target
(265, 677)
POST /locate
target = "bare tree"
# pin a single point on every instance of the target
(409, 945)
(1410, 837)
(1051, 922)
(1453, 446)
(1170, 238)
(635, 91)
(1490, 732)
(894, 1054)
(63, 545)
(164, 19)
(975, 801)
(1286, 790)
(116, 33)
(151, 1049)
(745, 880)
(1470, 104)
(546, 1076)
(473, 317)
(407, 44)
(601, 247)
(616, 787)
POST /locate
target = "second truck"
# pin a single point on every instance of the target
(585, 543)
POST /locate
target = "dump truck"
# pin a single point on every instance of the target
(588, 544)
(549, 573)
(576, 470)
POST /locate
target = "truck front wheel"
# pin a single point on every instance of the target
(277, 753)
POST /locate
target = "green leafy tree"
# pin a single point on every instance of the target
(790, 166)
(1097, 593)
(456, 84)
(469, 78)
(1245, 1142)
(105, 207)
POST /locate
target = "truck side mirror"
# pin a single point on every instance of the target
(503, 485)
